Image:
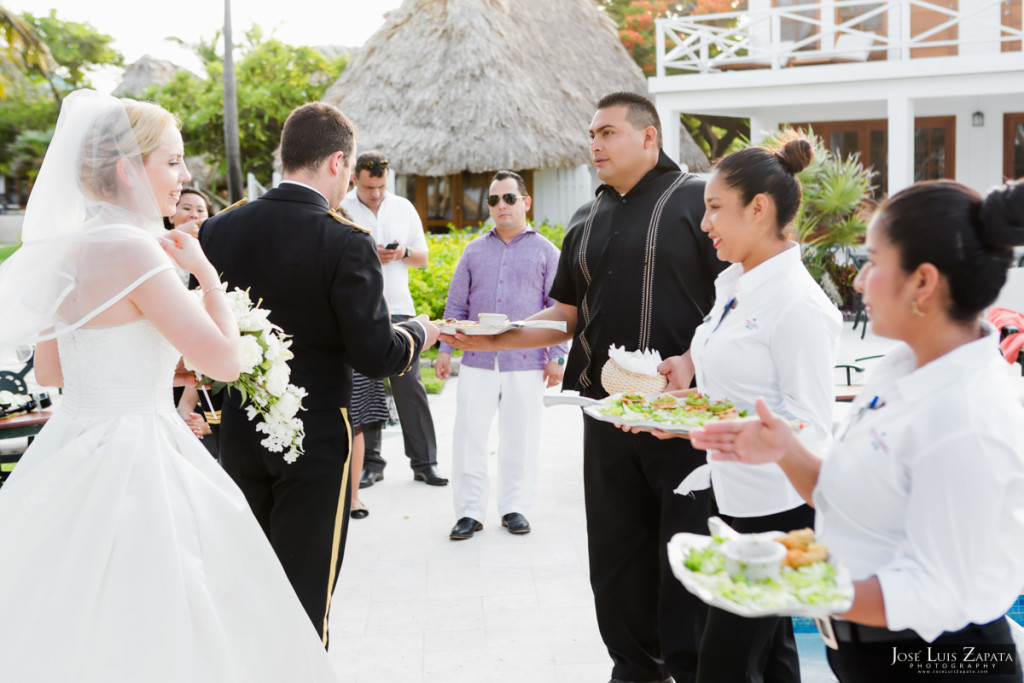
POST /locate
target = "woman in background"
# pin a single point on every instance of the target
(191, 212)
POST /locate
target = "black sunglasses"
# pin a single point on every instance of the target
(372, 165)
(510, 199)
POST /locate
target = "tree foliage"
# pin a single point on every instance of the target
(273, 78)
(22, 49)
(77, 49)
(716, 135)
(44, 59)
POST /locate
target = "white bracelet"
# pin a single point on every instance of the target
(222, 286)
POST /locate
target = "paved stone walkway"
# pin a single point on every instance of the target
(413, 606)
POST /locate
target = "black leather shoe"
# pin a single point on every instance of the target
(359, 513)
(430, 476)
(369, 477)
(515, 523)
(465, 528)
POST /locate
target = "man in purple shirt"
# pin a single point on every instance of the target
(508, 270)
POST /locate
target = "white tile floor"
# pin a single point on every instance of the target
(412, 605)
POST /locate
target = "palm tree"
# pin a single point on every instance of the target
(231, 142)
(23, 49)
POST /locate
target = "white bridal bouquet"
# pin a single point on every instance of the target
(263, 381)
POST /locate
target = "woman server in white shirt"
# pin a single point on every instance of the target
(922, 495)
(772, 332)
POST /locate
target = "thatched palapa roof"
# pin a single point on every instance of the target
(145, 72)
(447, 86)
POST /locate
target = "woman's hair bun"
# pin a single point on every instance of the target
(1002, 215)
(795, 155)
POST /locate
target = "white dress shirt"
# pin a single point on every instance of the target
(779, 342)
(396, 220)
(926, 489)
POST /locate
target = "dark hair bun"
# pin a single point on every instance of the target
(796, 155)
(1002, 215)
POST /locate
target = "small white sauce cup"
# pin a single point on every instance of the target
(753, 557)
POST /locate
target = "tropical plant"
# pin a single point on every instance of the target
(22, 49)
(42, 59)
(830, 222)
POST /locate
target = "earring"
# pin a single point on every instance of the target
(915, 309)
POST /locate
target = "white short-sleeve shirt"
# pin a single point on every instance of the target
(396, 220)
(778, 341)
(925, 490)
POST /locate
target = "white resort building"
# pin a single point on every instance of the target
(922, 89)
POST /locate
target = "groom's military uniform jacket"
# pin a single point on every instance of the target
(320, 277)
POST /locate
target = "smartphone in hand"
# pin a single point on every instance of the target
(393, 245)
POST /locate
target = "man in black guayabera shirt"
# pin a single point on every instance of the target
(635, 270)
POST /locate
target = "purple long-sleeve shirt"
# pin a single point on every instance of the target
(514, 279)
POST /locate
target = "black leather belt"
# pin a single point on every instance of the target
(849, 632)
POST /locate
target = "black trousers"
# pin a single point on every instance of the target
(650, 624)
(302, 507)
(740, 650)
(949, 657)
(414, 414)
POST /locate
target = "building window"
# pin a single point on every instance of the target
(1013, 146)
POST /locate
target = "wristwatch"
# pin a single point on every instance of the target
(560, 361)
(406, 253)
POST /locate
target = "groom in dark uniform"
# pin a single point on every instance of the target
(320, 278)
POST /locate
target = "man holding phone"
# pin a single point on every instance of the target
(401, 245)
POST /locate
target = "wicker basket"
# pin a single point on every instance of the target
(615, 380)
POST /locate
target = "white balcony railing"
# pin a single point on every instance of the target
(831, 31)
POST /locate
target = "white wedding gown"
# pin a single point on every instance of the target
(126, 553)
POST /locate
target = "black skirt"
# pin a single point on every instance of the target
(369, 403)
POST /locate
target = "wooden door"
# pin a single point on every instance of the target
(1013, 146)
(934, 147)
(796, 30)
(456, 201)
(923, 19)
(1010, 13)
(878, 24)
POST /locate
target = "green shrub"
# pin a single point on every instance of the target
(431, 383)
(429, 286)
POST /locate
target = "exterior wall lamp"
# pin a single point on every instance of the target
(977, 119)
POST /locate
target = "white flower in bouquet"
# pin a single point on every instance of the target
(287, 406)
(264, 379)
(255, 321)
(251, 353)
(277, 378)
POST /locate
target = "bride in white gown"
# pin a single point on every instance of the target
(126, 553)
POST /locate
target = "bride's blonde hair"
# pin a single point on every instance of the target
(116, 137)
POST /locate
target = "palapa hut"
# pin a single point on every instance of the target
(145, 72)
(453, 90)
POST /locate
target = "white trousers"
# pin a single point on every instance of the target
(518, 398)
